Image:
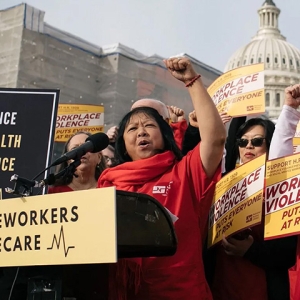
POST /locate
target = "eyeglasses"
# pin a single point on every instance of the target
(256, 142)
(109, 159)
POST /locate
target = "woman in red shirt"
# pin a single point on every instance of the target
(151, 163)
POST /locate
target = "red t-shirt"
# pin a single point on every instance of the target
(59, 189)
(186, 191)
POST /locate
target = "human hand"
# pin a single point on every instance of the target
(176, 114)
(193, 119)
(225, 117)
(236, 247)
(112, 133)
(181, 68)
(292, 96)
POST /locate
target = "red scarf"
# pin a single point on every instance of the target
(130, 177)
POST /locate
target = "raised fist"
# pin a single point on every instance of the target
(112, 133)
(176, 114)
(181, 68)
(292, 96)
(193, 119)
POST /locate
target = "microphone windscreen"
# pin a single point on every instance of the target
(99, 140)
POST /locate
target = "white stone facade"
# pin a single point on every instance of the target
(281, 59)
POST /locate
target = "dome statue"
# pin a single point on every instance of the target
(281, 59)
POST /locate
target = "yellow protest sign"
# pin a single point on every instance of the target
(237, 202)
(282, 202)
(56, 229)
(297, 133)
(296, 144)
(72, 118)
(296, 139)
(240, 92)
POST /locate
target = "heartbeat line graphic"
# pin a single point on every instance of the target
(57, 242)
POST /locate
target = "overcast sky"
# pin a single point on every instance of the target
(209, 30)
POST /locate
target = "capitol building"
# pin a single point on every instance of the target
(281, 59)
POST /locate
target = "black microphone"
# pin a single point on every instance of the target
(93, 143)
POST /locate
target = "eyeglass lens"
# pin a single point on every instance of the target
(256, 142)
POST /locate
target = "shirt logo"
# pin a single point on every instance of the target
(162, 189)
(159, 189)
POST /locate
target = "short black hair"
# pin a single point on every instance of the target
(268, 126)
(166, 131)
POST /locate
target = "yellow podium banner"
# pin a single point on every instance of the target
(282, 203)
(240, 92)
(57, 229)
(72, 118)
(237, 202)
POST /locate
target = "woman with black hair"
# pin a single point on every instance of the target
(247, 267)
(151, 163)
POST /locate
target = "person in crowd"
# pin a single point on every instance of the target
(176, 114)
(148, 157)
(158, 105)
(282, 145)
(260, 265)
(171, 114)
(282, 142)
(87, 173)
(162, 109)
(109, 156)
(112, 134)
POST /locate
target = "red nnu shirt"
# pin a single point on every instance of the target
(187, 193)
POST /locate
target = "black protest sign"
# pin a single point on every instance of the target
(27, 122)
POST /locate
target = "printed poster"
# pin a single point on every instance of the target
(296, 139)
(240, 92)
(27, 120)
(72, 118)
(282, 203)
(296, 144)
(59, 229)
(238, 200)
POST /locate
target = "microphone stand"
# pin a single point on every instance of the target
(68, 171)
(28, 185)
(20, 182)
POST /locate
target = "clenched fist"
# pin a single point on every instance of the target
(181, 68)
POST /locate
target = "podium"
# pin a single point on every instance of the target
(144, 228)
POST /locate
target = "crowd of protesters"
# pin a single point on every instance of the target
(156, 145)
(240, 267)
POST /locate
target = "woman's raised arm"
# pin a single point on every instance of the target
(213, 133)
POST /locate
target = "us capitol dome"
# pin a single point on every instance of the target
(281, 59)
